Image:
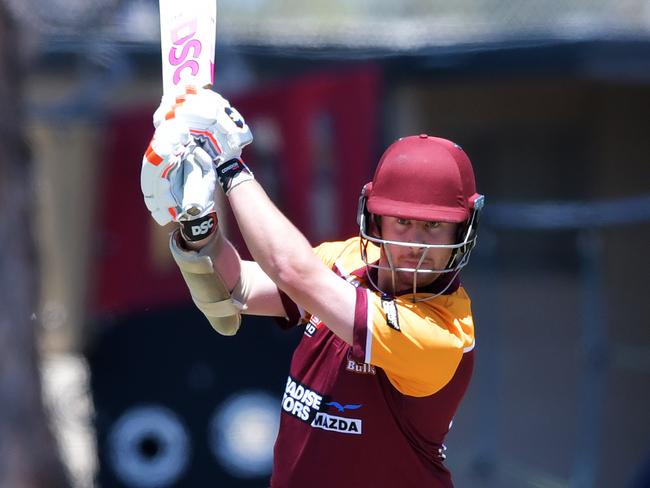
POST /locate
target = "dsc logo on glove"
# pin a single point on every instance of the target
(202, 229)
(197, 229)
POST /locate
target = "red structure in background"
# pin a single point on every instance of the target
(128, 277)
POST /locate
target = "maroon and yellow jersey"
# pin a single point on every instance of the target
(375, 413)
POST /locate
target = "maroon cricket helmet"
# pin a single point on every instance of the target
(423, 178)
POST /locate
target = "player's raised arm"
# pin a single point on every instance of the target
(288, 259)
(279, 249)
(178, 183)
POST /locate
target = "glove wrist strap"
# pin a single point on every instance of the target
(198, 229)
(232, 173)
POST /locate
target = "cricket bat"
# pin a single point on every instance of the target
(188, 30)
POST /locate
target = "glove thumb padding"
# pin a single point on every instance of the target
(160, 164)
(198, 184)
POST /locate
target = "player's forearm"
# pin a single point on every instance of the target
(288, 259)
(226, 261)
(193, 245)
(275, 243)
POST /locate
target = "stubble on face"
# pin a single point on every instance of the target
(409, 257)
(406, 258)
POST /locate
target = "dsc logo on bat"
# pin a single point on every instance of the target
(186, 49)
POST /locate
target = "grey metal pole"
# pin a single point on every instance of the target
(489, 367)
(594, 360)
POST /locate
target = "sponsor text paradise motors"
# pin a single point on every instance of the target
(305, 404)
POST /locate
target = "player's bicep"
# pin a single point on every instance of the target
(263, 295)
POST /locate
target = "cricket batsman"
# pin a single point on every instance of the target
(388, 345)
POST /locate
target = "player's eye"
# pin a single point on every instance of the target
(402, 221)
(432, 225)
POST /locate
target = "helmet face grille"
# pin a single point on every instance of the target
(461, 251)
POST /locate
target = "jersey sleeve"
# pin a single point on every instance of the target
(328, 252)
(418, 345)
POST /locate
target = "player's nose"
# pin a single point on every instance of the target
(418, 235)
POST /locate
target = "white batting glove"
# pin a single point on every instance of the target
(160, 162)
(178, 181)
(198, 218)
(217, 127)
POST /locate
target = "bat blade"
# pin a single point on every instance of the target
(187, 41)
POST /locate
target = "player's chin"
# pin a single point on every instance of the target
(423, 279)
(427, 279)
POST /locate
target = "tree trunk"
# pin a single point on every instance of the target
(28, 454)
